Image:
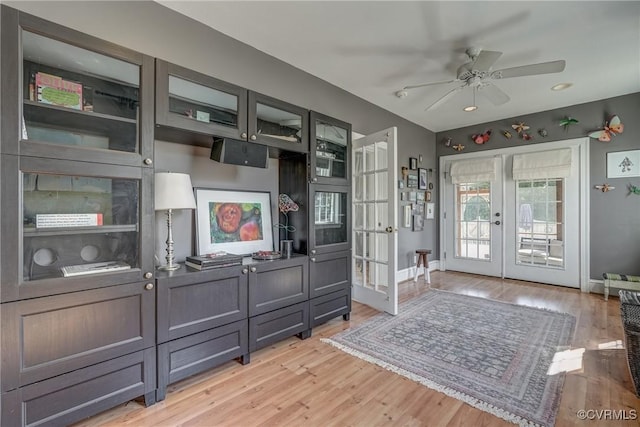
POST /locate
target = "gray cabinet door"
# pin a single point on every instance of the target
(330, 150)
(329, 273)
(71, 397)
(192, 301)
(277, 325)
(49, 336)
(277, 284)
(326, 307)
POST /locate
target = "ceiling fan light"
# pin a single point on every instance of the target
(470, 108)
(561, 86)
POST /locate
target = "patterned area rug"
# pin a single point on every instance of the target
(489, 354)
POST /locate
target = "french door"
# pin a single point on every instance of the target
(528, 228)
(375, 225)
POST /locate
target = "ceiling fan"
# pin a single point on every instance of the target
(477, 74)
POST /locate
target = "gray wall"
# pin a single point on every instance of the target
(615, 215)
(152, 29)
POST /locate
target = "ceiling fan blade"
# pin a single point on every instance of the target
(444, 98)
(485, 60)
(530, 70)
(429, 84)
(494, 94)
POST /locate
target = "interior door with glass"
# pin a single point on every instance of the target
(473, 222)
(375, 240)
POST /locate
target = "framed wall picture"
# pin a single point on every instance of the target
(413, 163)
(430, 210)
(623, 164)
(412, 181)
(406, 216)
(418, 223)
(237, 222)
(422, 179)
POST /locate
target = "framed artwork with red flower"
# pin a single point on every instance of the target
(236, 222)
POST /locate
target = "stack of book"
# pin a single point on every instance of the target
(214, 260)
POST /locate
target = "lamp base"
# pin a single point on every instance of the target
(169, 267)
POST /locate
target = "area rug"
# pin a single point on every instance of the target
(489, 354)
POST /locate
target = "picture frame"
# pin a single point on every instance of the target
(233, 221)
(422, 179)
(427, 196)
(623, 164)
(406, 216)
(413, 163)
(430, 210)
(418, 223)
(412, 181)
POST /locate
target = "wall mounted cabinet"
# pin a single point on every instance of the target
(68, 95)
(330, 150)
(192, 108)
(330, 219)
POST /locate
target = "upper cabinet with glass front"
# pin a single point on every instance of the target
(330, 148)
(192, 108)
(79, 97)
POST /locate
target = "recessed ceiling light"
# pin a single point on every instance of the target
(561, 86)
(470, 108)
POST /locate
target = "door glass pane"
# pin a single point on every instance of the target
(76, 97)
(330, 217)
(331, 150)
(539, 210)
(381, 185)
(76, 220)
(369, 159)
(370, 187)
(358, 212)
(473, 220)
(202, 103)
(280, 124)
(370, 216)
(382, 216)
(359, 244)
(381, 155)
(382, 242)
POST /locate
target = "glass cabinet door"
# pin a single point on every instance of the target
(330, 146)
(80, 98)
(80, 225)
(330, 222)
(278, 124)
(195, 102)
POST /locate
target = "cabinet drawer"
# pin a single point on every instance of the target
(329, 273)
(68, 398)
(196, 301)
(187, 356)
(328, 306)
(49, 336)
(277, 284)
(274, 326)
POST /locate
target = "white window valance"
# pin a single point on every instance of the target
(544, 164)
(474, 170)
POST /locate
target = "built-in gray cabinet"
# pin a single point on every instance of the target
(192, 108)
(77, 275)
(330, 150)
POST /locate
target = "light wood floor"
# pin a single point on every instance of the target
(310, 383)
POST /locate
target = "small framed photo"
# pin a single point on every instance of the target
(404, 196)
(623, 164)
(427, 196)
(418, 208)
(418, 223)
(412, 181)
(413, 163)
(430, 211)
(413, 196)
(406, 216)
(420, 196)
(400, 184)
(422, 179)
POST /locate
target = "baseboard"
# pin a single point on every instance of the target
(409, 272)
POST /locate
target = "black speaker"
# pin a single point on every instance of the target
(236, 152)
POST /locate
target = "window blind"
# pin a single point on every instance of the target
(544, 164)
(474, 170)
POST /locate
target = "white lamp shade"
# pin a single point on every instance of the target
(173, 191)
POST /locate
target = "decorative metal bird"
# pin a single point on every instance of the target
(633, 189)
(507, 134)
(520, 127)
(458, 147)
(605, 187)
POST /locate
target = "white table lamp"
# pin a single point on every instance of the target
(172, 191)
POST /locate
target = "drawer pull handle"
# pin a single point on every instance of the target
(245, 271)
(148, 286)
(313, 260)
(148, 275)
(253, 269)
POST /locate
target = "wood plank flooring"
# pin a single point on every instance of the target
(295, 382)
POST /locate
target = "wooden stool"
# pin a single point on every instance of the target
(424, 261)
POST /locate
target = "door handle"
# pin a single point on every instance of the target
(389, 229)
(497, 222)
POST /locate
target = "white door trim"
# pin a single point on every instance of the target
(584, 241)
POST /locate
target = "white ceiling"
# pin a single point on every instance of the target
(372, 48)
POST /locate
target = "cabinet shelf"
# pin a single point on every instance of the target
(103, 229)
